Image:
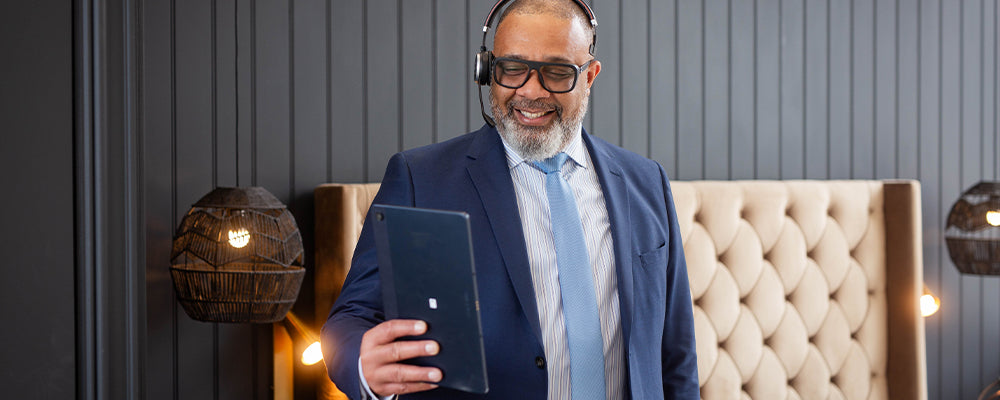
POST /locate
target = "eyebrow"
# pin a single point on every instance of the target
(556, 59)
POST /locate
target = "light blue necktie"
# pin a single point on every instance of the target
(576, 281)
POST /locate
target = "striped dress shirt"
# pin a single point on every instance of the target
(533, 205)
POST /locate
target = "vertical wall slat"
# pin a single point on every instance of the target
(635, 70)
(768, 87)
(346, 85)
(885, 88)
(741, 81)
(839, 75)
(816, 89)
(689, 90)
(792, 89)
(244, 56)
(224, 90)
(863, 90)
(310, 113)
(451, 65)
(157, 139)
(382, 84)
(662, 48)
(906, 111)
(715, 103)
(273, 93)
(417, 75)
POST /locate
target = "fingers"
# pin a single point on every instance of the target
(381, 352)
(380, 345)
(391, 330)
(402, 379)
(402, 350)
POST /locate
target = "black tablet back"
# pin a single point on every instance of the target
(427, 272)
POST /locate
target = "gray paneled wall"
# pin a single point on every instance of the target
(291, 94)
(37, 160)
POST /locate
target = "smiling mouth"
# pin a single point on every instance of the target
(533, 115)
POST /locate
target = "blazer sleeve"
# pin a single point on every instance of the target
(359, 306)
(680, 363)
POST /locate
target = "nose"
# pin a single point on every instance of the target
(533, 89)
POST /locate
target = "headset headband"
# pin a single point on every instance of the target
(499, 4)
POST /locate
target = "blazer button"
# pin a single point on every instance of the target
(540, 362)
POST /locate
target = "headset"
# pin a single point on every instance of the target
(481, 69)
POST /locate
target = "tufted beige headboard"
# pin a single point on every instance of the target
(798, 286)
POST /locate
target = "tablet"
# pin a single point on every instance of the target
(427, 273)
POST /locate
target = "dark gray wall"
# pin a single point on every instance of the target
(123, 113)
(36, 157)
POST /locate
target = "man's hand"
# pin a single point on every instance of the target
(381, 353)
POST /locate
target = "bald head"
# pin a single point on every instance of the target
(562, 9)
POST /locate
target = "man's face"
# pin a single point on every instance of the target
(536, 122)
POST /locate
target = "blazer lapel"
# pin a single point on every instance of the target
(616, 197)
(491, 176)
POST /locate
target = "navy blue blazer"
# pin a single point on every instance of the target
(470, 173)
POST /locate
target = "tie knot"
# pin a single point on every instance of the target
(552, 164)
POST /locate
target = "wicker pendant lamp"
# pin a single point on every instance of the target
(237, 257)
(973, 230)
(973, 238)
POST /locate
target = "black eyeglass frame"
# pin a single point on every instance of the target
(535, 66)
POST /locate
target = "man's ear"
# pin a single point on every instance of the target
(592, 71)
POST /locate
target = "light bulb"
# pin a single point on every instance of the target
(993, 218)
(312, 354)
(239, 238)
(929, 304)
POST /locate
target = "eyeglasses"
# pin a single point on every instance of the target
(554, 77)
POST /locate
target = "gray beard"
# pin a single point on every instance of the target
(535, 143)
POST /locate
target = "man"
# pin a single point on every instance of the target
(623, 205)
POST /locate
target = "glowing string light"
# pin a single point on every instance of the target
(312, 354)
(993, 218)
(239, 238)
(929, 304)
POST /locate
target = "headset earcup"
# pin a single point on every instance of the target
(481, 70)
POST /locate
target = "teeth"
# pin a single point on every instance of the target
(532, 115)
